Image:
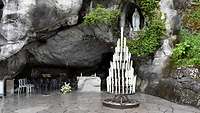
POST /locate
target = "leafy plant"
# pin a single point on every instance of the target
(191, 19)
(66, 88)
(187, 52)
(149, 38)
(148, 7)
(101, 15)
(197, 1)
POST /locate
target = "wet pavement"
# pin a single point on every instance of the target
(79, 102)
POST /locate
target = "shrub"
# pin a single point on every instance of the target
(187, 52)
(196, 1)
(148, 7)
(149, 38)
(101, 15)
(191, 19)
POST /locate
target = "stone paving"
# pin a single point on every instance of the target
(78, 102)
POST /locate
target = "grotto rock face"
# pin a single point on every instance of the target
(170, 13)
(183, 90)
(50, 35)
(21, 16)
(156, 66)
(172, 24)
(78, 47)
(1, 7)
(156, 77)
(181, 4)
(191, 72)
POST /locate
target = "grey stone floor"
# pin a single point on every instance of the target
(77, 102)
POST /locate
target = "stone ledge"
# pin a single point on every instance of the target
(184, 90)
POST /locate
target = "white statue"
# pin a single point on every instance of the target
(136, 20)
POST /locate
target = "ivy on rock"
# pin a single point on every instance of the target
(101, 15)
(149, 38)
(187, 52)
(191, 18)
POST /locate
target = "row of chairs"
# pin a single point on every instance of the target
(24, 86)
(38, 85)
(46, 84)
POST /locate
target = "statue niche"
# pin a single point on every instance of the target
(132, 19)
(135, 24)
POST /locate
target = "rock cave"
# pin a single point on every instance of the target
(53, 42)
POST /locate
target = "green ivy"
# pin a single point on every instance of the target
(148, 7)
(187, 52)
(101, 15)
(196, 1)
(191, 19)
(149, 38)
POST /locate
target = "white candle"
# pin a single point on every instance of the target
(121, 73)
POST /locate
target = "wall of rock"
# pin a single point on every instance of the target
(54, 37)
(182, 87)
(49, 33)
(156, 77)
(20, 17)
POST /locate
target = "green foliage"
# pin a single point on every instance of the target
(66, 88)
(148, 7)
(191, 19)
(187, 52)
(149, 38)
(196, 1)
(101, 15)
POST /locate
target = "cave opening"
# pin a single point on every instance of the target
(1, 4)
(45, 75)
(45, 78)
(1, 8)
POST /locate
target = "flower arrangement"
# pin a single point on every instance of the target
(66, 88)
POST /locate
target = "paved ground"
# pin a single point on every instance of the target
(77, 102)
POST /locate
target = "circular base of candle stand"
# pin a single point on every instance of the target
(121, 102)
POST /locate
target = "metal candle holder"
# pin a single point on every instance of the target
(121, 80)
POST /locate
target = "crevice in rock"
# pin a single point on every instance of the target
(83, 10)
(1, 8)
